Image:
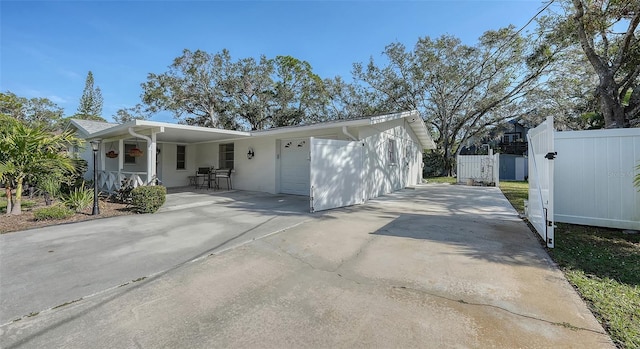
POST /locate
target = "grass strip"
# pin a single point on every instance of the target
(602, 264)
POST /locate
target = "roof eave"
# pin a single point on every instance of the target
(141, 124)
(319, 126)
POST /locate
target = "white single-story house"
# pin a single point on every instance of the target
(336, 163)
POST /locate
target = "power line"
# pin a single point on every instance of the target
(517, 32)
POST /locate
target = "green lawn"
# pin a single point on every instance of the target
(603, 264)
(450, 180)
(516, 192)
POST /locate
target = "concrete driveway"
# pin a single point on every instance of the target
(438, 266)
(47, 267)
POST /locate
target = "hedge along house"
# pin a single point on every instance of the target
(337, 163)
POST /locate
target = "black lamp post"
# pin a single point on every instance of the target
(95, 146)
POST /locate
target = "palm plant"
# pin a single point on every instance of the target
(27, 152)
(50, 187)
(79, 198)
(6, 123)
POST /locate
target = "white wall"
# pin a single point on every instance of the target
(259, 173)
(593, 178)
(206, 155)
(262, 172)
(382, 177)
(172, 177)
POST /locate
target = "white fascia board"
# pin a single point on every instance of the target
(189, 127)
(339, 124)
(319, 126)
(420, 129)
(139, 124)
(393, 116)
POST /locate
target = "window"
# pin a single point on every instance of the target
(511, 137)
(128, 159)
(181, 157)
(392, 152)
(226, 155)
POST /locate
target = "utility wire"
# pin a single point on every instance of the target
(515, 34)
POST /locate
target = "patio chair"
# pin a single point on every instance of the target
(224, 173)
(205, 173)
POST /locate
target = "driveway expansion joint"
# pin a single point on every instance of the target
(531, 317)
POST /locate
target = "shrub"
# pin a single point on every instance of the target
(79, 198)
(52, 212)
(50, 186)
(433, 164)
(148, 199)
(74, 178)
(123, 195)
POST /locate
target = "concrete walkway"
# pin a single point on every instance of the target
(439, 266)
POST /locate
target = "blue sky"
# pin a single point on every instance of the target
(47, 47)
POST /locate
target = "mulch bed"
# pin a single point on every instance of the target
(15, 223)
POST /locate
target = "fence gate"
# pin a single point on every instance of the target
(480, 168)
(336, 173)
(541, 155)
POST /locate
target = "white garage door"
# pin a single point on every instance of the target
(336, 173)
(294, 166)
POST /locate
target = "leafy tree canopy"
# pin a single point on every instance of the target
(36, 112)
(213, 90)
(606, 33)
(460, 90)
(128, 114)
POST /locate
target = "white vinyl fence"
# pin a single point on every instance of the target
(540, 212)
(593, 177)
(479, 168)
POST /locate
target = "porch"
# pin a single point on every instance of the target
(111, 181)
(145, 152)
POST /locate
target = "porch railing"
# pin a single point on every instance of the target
(110, 181)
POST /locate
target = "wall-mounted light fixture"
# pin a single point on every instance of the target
(250, 153)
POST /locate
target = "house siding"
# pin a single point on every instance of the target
(259, 173)
(378, 174)
(170, 176)
(382, 177)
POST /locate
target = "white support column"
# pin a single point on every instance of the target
(121, 157)
(151, 158)
(101, 156)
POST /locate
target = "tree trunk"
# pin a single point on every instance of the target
(446, 161)
(610, 105)
(7, 190)
(17, 207)
(48, 199)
